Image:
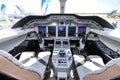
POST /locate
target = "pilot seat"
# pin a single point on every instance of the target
(10, 68)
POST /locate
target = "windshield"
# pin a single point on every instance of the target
(13, 10)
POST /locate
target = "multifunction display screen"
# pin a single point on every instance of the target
(42, 30)
(71, 31)
(51, 30)
(81, 29)
(61, 31)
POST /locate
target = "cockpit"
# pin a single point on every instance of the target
(59, 47)
(63, 46)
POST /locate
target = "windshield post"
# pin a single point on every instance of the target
(62, 6)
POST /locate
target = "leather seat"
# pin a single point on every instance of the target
(97, 59)
(78, 59)
(84, 67)
(10, 66)
(26, 55)
(40, 62)
(111, 71)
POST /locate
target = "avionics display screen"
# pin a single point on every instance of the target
(58, 44)
(61, 31)
(65, 44)
(42, 30)
(81, 29)
(51, 30)
(71, 30)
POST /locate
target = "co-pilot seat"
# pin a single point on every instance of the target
(10, 66)
(93, 71)
(83, 67)
(111, 71)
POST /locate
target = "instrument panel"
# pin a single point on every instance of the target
(61, 31)
(62, 25)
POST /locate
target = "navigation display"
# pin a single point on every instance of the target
(71, 30)
(61, 31)
(51, 30)
(42, 30)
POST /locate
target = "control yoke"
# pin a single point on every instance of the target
(82, 42)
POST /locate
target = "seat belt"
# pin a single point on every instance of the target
(97, 64)
(27, 59)
(42, 62)
(80, 63)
